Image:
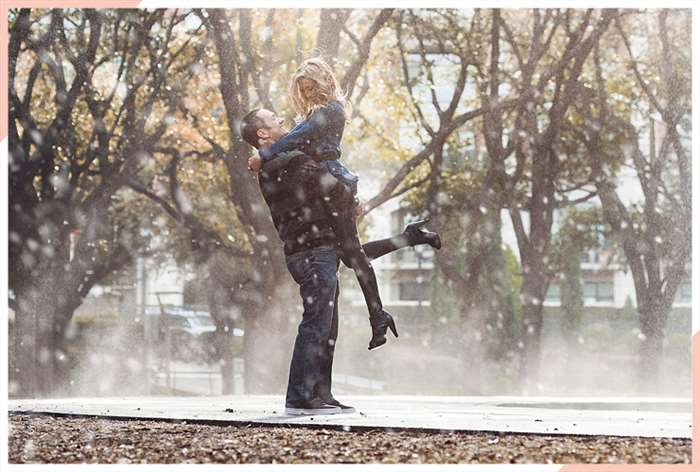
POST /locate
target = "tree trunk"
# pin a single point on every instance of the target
(253, 374)
(472, 329)
(270, 327)
(532, 295)
(572, 311)
(227, 375)
(222, 344)
(332, 21)
(36, 319)
(45, 306)
(218, 297)
(651, 350)
(24, 377)
(225, 354)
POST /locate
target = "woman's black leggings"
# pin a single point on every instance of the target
(382, 247)
(340, 207)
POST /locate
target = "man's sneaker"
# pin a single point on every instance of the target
(343, 408)
(315, 406)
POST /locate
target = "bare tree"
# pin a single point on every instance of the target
(544, 157)
(73, 146)
(655, 237)
(328, 38)
(523, 169)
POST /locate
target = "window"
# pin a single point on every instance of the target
(605, 291)
(599, 291)
(177, 321)
(413, 291)
(600, 235)
(591, 256)
(684, 293)
(589, 289)
(553, 293)
(205, 320)
(399, 218)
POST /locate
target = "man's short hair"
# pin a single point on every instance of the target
(250, 124)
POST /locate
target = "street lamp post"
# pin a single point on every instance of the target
(419, 279)
(141, 307)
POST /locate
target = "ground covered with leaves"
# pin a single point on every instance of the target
(47, 439)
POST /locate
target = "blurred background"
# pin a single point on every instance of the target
(551, 149)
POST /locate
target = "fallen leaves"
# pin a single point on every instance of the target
(44, 439)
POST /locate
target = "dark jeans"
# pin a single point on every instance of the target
(324, 385)
(315, 270)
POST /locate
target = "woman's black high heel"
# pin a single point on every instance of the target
(416, 235)
(380, 323)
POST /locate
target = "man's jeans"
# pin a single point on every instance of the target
(315, 270)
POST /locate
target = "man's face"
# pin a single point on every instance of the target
(272, 128)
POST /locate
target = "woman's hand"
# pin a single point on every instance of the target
(254, 163)
(359, 207)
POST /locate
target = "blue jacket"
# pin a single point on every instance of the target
(318, 136)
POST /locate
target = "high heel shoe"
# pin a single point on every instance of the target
(380, 323)
(416, 235)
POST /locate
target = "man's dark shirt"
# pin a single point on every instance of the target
(289, 185)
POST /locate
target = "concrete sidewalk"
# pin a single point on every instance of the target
(645, 417)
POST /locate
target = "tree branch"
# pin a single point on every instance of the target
(348, 82)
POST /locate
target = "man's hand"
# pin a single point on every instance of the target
(255, 163)
(359, 207)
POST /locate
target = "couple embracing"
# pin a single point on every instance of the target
(314, 207)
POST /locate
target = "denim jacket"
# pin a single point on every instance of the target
(319, 136)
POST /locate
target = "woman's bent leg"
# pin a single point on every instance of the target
(341, 211)
(382, 247)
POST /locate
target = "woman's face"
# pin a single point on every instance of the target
(308, 89)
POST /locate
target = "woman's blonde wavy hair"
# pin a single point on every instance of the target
(317, 70)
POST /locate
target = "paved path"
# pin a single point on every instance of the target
(646, 417)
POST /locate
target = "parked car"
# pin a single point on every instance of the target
(191, 331)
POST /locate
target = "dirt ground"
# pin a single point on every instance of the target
(47, 439)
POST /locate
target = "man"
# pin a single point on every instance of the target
(340, 186)
(296, 189)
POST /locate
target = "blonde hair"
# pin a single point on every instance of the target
(318, 71)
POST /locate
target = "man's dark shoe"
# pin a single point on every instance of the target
(315, 406)
(343, 408)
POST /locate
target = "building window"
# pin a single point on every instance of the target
(592, 256)
(684, 293)
(399, 219)
(413, 291)
(599, 291)
(601, 235)
(398, 256)
(553, 293)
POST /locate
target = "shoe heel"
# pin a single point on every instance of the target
(392, 326)
(437, 243)
(379, 329)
